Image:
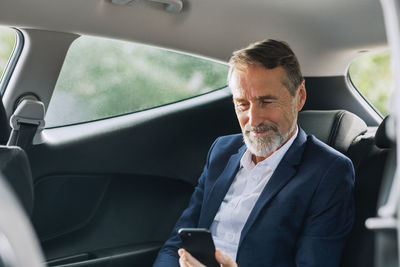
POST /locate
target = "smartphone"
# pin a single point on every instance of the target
(199, 243)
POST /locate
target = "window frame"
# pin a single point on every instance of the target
(13, 60)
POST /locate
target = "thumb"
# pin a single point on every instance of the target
(224, 259)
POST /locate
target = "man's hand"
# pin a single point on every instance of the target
(187, 260)
(224, 259)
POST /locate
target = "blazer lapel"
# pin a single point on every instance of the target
(220, 188)
(282, 175)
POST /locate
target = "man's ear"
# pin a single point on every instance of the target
(301, 95)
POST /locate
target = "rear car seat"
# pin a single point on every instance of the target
(4, 126)
(19, 245)
(347, 133)
(15, 167)
(14, 163)
(369, 155)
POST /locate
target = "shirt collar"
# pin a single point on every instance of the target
(272, 161)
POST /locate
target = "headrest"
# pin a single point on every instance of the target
(14, 165)
(381, 138)
(336, 128)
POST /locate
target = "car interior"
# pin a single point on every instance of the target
(108, 191)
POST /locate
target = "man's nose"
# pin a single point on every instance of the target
(255, 116)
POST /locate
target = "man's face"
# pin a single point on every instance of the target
(266, 111)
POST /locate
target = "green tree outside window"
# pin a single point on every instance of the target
(102, 78)
(371, 74)
(7, 42)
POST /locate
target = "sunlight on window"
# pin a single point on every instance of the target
(371, 74)
(7, 42)
(102, 78)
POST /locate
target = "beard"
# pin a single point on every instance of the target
(264, 145)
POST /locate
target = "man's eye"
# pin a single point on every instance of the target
(241, 105)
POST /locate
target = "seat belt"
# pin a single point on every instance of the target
(27, 119)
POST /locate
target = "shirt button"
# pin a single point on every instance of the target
(229, 236)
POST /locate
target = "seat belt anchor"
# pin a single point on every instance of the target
(30, 112)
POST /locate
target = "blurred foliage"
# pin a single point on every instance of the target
(7, 42)
(371, 74)
(102, 78)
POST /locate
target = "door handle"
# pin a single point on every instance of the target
(173, 6)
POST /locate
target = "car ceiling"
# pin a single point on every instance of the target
(326, 35)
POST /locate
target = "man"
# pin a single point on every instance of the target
(280, 199)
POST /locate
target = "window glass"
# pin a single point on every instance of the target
(371, 74)
(7, 42)
(102, 78)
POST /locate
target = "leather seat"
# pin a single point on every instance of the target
(370, 155)
(336, 128)
(19, 245)
(4, 125)
(345, 132)
(15, 167)
(14, 163)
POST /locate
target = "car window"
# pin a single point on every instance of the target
(103, 78)
(7, 43)
(371, 75)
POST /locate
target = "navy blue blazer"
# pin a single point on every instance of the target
(302, 217)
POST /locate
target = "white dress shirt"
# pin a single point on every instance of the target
(241, 198)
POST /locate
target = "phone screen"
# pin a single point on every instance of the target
(199, 243)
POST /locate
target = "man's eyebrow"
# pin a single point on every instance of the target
(239, 99)
(267, 97)
(260, 98)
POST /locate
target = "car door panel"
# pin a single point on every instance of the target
(125, 223)
(109, 192)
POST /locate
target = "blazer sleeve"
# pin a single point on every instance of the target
(329, 219)
(168, 255)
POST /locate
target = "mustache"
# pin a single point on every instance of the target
(261, 128)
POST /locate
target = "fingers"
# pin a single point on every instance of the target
(224, 259)
(187, 260)
(182, 262)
